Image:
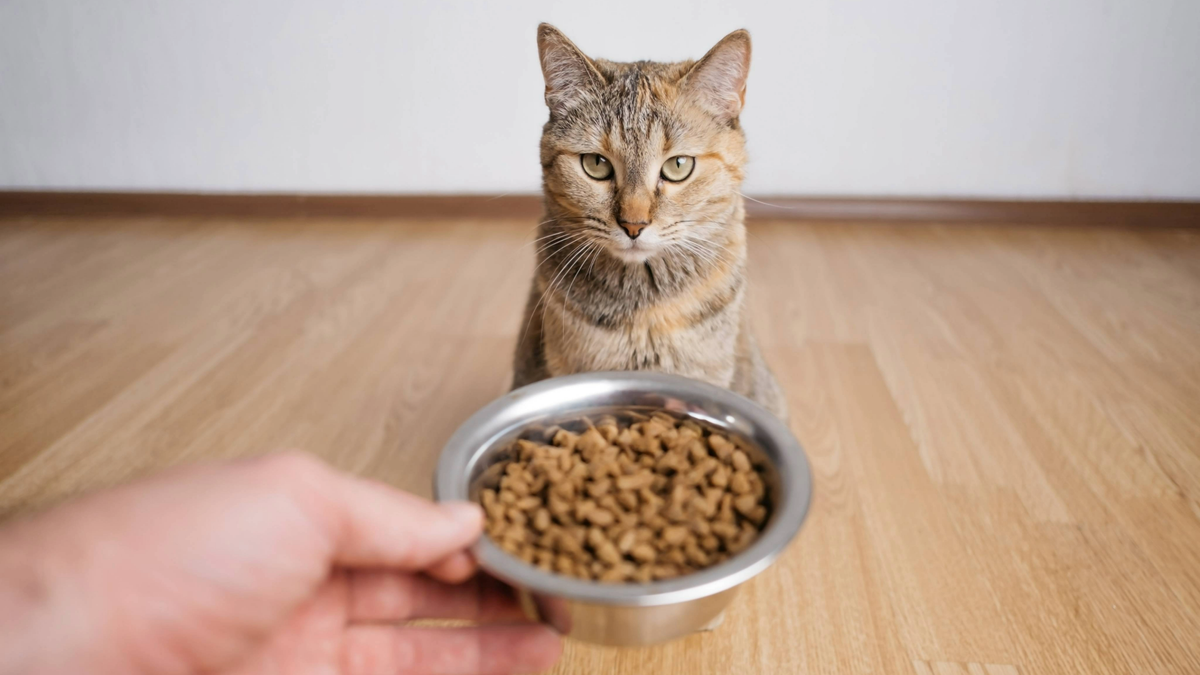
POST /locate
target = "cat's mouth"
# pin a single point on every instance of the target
(635, 251)
(638, 246)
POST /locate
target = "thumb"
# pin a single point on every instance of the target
(379, 526)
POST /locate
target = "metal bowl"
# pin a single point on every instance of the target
(629, 614)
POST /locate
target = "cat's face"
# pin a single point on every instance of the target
(643, 159)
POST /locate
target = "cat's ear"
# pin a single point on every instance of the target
(570, 74)
(718, 81)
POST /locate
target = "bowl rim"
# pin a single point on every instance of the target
(479, 432)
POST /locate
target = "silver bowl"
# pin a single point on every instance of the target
(629, 614)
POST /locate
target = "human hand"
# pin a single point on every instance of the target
(273, 565)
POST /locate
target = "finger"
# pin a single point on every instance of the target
(454, 569)
(389, 596)
(374, 525)
(490, 650)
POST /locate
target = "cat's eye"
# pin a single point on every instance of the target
(678, 168)
(596, 166)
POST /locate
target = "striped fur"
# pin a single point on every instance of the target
(672, 299)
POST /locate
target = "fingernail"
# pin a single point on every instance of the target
(464, 513)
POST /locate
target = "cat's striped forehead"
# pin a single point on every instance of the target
(638, 94)
(636, 116)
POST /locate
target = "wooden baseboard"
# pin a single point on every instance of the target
(268, 205)
(1082, 212)
(1059, 212)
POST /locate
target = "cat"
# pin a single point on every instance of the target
(641, 261)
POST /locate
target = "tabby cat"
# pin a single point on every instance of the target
(641, 260)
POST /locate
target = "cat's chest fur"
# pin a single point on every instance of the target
(693, 333)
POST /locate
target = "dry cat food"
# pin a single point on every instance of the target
(636, 500)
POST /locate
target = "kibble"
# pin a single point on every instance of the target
(632, 500)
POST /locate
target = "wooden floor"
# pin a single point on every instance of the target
(1004, 423)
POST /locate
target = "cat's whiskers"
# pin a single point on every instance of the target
(559, 219)
(774, 206)
(702, 220)
(692, 237)
(566, 238)
(552, 235)
(715, 257)
(562, 237)
(557, 277)
(581, 263)
(566, 268)
(749, 230)
(552, 239)
(558, 246)
(701, 246)
(693, 247)
(561, 275)
(590, 259)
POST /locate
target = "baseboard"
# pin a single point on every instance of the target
(268, 205)
(849, 209)
(1059, 212)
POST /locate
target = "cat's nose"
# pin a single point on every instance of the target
(633, 229)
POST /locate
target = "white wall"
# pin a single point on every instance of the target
(1013, 98)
